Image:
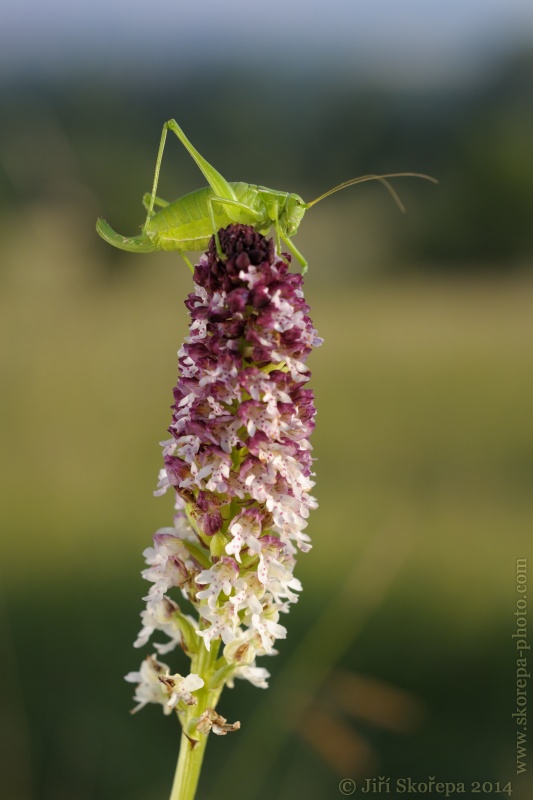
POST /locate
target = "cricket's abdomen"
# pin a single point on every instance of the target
(186, 225)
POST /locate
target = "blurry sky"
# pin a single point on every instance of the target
(394, 35)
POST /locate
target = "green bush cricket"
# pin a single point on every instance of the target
(188, 223)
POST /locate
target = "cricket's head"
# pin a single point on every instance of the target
(292, 213)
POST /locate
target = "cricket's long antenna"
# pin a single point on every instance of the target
(382, 179)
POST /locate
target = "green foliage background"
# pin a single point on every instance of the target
(424, 441)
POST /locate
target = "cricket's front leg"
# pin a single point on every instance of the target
(295, 252)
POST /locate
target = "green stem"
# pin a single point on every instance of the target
(192, 749)
(188, 768)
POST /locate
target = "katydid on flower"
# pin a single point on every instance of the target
(188, 223)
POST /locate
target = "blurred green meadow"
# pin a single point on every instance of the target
(399, 659)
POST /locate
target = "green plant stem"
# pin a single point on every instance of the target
(192, 747)
(188, 768)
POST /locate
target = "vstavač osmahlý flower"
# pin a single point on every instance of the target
(239, 463)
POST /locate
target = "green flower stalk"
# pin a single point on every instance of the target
(240, 467)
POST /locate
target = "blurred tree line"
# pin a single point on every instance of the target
(93, 139)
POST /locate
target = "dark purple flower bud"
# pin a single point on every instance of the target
(237, 300)
(259, 296)
(176, 469)
(212, 523)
